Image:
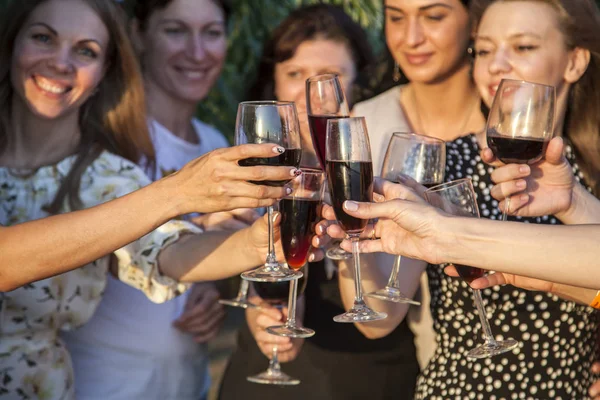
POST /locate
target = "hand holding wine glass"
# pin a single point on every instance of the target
(458, 198)
(520, 123)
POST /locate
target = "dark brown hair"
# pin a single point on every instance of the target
(579, 21)
(143, 9)
(320, 21)
(113, 119)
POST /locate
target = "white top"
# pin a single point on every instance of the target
(384, 116)
(129, 349)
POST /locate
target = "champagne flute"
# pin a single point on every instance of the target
(325, 100)
(300, 212)
(276, 293)
(458, 198)
(520, 123)
(350, 177)
(241, 300)
(270, 122)
(423, 158)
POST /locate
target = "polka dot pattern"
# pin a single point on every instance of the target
(558, 338)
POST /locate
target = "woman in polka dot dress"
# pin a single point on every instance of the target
(519, 40)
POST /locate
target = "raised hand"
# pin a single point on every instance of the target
(203, 315)
(215, 182)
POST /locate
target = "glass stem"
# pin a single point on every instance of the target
(271, 258)
(291, 319)
(487, 331)
(393, 281)
(274, 365)
(506, 208)
(243, 290)
(358, 297)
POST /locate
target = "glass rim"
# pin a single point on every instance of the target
(522, 81)
(322, 77)
(401, 134)
(447, 185)
(259, 103)
(311, 170)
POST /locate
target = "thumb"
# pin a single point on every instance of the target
(369, 210)
(554, 151)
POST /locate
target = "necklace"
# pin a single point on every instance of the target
(468, 115)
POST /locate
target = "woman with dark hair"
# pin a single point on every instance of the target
(338, 362)
(430, 41)
(120, 353)
(72, 127)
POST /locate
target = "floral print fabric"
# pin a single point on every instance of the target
(33, 361)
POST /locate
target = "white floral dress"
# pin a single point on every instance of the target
(34, 364)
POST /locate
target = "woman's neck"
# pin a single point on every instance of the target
(447, 109)
(33, 141)
(172, 113)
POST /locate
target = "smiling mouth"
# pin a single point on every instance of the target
(193, 74)
(51, 86)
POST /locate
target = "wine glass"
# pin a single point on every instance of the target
(276, 293)
(241, 300)
(325, 100)
(458, 198)
(270, 122)
(350, 177)
(520, 123)
(300, 212)
(423, 158)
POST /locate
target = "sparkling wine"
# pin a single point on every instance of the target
(299, 216)
(290, 158)
(318, 132)
(350, 180)
(521, 150)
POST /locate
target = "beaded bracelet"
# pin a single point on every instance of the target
(596, 302)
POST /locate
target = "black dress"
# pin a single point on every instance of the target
(338, 363)
(559, 338)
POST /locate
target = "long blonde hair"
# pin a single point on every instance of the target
(579, 21)
(113, 119)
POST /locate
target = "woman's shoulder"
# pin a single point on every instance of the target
(377, 101)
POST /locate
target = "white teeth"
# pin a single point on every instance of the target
(193, 74)
(50, 87)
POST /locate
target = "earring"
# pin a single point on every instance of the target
(397, 75)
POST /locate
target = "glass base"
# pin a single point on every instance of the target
(290, 331)
(272, 273)
(237, 303)
(392, 294)
(492, 349)
(360, 312)
(335, 252)
(273, 377)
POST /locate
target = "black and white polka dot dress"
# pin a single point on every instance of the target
(559, 338)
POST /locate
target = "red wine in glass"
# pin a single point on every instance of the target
(299, 217)
(520, 150)
(277, 292)
(318, 131)
(290, 158)
(350, 180)
(469, 274)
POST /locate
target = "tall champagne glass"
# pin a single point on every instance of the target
(276, 293)
(325, 100)
(422, 158)
(350, 177)
(270, 122)
(458, 198)
(300, 212)
(520, 123)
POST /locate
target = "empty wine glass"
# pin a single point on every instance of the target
(350, 177)
(270, 122)
(300, 212)
(325, 100)
(458, 198)
(422, 158)
(520, 123)
(241, 300)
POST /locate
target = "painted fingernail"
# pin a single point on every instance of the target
(321, 229)
(311, 258)
(350, 205)
(295, 172)
(524, 169)
(521, 184)
(523, 198)
(288, 190)
(278, 150)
